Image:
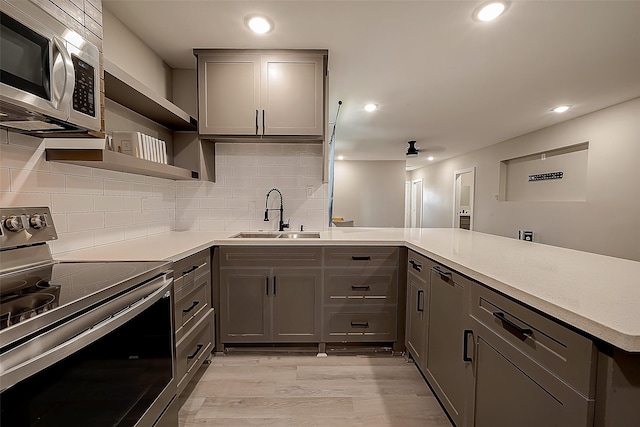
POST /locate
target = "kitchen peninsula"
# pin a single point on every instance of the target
(592, 296)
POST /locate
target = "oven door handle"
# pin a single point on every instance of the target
(54, 345)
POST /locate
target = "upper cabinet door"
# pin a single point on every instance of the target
(229, 94)
(292, 94)
(261, 94)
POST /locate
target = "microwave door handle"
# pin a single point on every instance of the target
(69, 74)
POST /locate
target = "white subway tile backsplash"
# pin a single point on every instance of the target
(135, 231)
(73, 241)
(108, 203)
(84, 185)
(116, 188)
(131, 203)
(25, 181)
(103, 173)
(85, 221)
(118, 219)
(109, 235)
(69, 169)
(65, 203)
(5, 180)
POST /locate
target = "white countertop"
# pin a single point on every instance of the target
(597, 294)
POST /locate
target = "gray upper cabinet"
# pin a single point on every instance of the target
(256, 94)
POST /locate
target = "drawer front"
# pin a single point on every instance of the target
(372, 286)
(193, 349)
(189, 270)
(560, 350)
(191, 308)
(269, 256)
(419, 266)
(361, 256)
(360, 325)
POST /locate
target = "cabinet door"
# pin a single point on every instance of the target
(245, 305)
(229, 94)
(512, 390)
(296, 301)
(292, 94)
(445, 366)
(417, 317)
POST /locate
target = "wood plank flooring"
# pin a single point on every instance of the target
(287, 390)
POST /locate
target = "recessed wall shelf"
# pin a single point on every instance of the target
(111, 160)
(126, 90)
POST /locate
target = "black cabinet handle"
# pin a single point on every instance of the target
(256, 122)
(523, 331)
(442, 272)
(415, 265)
(465, 346)
(262, 122)
(193, 268)
(360, 287)
(359, 324)
(195, 353)
(420, 300)
(266, 284)
(274, 285)
(193, 305)
(361, 258)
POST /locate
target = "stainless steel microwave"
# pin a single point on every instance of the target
(49, 74)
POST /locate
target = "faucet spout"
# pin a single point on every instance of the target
(281, 224)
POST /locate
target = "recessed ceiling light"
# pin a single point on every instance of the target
(490, 11)
(430, 158)
(370, 107)
(259, 24)
(561, 108)
(340, 157)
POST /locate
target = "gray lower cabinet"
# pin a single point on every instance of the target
(270, 295)
(417, 311)
(360, 294)
(448, 368)
(193, 315)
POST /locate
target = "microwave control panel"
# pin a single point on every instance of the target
(83, 91)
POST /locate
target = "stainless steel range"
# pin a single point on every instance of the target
(81, 343)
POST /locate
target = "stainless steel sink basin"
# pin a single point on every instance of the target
(277, 234)
(300, 235)
(257, 235)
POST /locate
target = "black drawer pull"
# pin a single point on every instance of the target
(274, 285)
(198, 348)
(420, 300)
(256, 122)
(359, 324)
(442, 272)
(360, 287)
(361, 258)
(519, 329)
(465, 346)
(193, 305)
(266, 284)
(194, 268)
(415, 265)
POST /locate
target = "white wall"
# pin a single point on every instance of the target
(608, 222)
(370, 192)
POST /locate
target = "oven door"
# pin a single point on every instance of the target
(36, 70)
(111, 365)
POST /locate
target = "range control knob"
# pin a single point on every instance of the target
(14, 223)
(37, 221)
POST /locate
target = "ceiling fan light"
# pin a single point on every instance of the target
(412, 151)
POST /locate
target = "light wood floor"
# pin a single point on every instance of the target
(282, 390)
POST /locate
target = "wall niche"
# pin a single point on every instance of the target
(558, 175)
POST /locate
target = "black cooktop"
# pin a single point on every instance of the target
(36, 291)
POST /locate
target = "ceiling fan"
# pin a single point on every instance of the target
(412, 151)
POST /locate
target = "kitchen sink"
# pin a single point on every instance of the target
(277, 234)
(257, 235)
(299, 235)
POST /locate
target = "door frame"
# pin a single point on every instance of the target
(417, 201)
(456, 193)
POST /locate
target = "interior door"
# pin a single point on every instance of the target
(463, 198)
(416, 203)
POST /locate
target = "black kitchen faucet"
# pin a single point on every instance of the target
(281, 224)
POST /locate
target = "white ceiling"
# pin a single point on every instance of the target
(439, 77)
